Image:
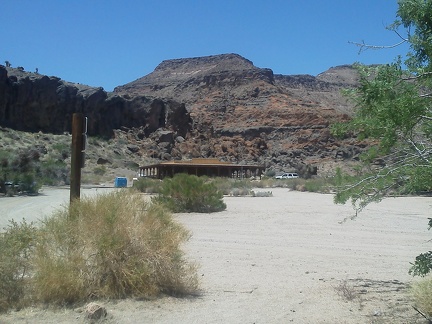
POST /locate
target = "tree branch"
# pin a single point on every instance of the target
(363, 46)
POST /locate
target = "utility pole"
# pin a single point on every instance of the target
(79, 130)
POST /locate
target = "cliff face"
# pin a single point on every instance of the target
(217, 106)
(243, 113)
(33, 102)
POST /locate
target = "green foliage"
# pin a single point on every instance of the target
(63, 149)
(21, 170)
(147, 185)
(394, 116)
(53, 172)
(317, 185)
(423, 262)
(416, 16)
(393, 113)
(28, 172)
(189, 193)
(16, 247)
(112, 246)
(270, 173)
(100, 170)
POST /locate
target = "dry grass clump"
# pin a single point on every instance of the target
(346, 290)
(422, 293)
(112, 246)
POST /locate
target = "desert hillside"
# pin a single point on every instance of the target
(219, 106)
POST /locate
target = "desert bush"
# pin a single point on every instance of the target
(224, 185)
(16, 245)
(422, 292)
(233, 187)
(147, 185)
(189, 193)
(322, 185)
(266, 182)
(63, 148)
(318, 184)
(29, 172)
(270, 173)
(53, 172)
(241, 184)
(115, 245)
(100, 170)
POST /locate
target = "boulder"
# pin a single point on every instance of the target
(95, 311)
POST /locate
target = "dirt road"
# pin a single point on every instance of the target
(283, 259)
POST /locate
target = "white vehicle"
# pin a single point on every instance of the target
(287, 176)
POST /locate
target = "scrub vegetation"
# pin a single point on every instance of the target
(112, 246)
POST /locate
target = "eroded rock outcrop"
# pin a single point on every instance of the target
(219, 106)
(34, 102)
(243, 113)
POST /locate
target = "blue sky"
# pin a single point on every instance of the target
(109, 43)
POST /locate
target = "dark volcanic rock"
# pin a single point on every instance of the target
(34, 102)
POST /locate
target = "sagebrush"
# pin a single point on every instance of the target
(114, 245)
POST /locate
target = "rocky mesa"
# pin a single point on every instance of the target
(243, 113)
(218, 106)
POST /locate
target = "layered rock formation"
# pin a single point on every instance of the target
(217, 106)
(243, 113)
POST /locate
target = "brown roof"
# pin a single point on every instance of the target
(200, 162)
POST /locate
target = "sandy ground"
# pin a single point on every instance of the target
(280, 259)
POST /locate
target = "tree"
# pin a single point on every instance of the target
(394, 113)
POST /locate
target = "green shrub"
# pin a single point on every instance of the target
(422, 292)
(266, 182)
(270, 173)
(27, 170)
(53, 172)
(147, 185)
(16, 246)
(422, 264)
(28, 183)
(234, 187)
(318, 185)
(100, 170)
(223, 185)
(189, 193)
(112, 246)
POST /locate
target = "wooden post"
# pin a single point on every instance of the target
(77, 155)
